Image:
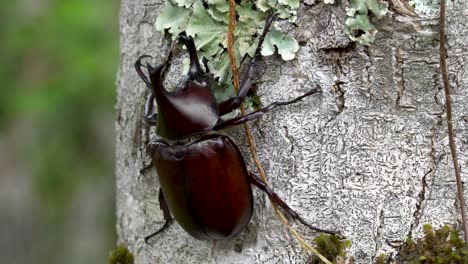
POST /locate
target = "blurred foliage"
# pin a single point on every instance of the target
(58, 71)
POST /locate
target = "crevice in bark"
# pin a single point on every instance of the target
(398, 76)
(438, 87)
(338, 90)
(419, 205)
(340, 51)
(379, 234)
(289, 138)
(425, 181)
(434, 160)
(369, 70)
(339, 96)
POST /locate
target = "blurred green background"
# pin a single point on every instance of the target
(59, 60)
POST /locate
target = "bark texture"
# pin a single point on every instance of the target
(368, 156)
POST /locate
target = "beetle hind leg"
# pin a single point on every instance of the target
(257, 181)
(167, 216)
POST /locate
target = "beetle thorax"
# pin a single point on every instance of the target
(189, 111)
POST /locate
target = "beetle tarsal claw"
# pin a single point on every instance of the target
(304, 222)
(145, 169)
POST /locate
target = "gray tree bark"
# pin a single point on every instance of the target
(368, 156)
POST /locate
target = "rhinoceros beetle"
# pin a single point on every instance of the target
(205, 183)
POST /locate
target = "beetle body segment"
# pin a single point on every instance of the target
(191, 109)
(206, 186)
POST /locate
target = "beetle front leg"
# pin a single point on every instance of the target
(246, 79)
(150, 117)
(257, 181)
(146, 168)
(242, 119)
(167, 216)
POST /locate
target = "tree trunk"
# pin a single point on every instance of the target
(368, 156)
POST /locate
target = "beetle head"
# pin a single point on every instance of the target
(191, 108)
(195, 73)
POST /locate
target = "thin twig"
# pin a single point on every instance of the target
(448, 108)
(248, 133)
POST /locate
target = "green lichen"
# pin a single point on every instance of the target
(207, 21)
(121, 255)
(443, 245)
(360, 28)
(331, 247)
(428, 7)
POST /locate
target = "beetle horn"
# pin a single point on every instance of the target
(195, 68)
(155, 74)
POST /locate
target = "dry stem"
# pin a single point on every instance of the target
(448, 106)
(235, 76)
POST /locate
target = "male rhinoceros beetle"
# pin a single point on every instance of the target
(205, 183)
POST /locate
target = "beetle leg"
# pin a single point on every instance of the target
(257, 181)
(146, 168)
(150, 116)
(167, 216)
(138, 67)
(242, 119)
(246, 79)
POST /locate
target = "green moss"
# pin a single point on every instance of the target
(381, 259)
(121, 255)
(443, 245)
(331, 247)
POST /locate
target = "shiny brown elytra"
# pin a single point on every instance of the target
(205, 184)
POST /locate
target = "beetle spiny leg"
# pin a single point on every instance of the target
(166, 213)
(250, 116)
(144, 170)
(164, 227)
(246, 78)
(257, 181)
